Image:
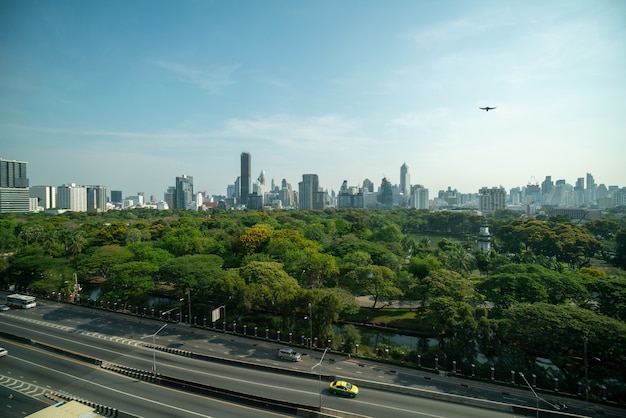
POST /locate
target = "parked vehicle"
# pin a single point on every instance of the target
(3, 352)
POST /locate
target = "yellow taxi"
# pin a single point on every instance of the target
(341, 387)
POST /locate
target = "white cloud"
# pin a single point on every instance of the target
(211, 81)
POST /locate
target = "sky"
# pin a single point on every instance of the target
(132, 94)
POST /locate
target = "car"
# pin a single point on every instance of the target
(289, 354)
(4, 308)
(3, 352)
(341, 387)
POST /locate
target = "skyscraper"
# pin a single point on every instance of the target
(14, 194)
(116, 196)
(184, 192)
(309, 194)
(405, 180)
(96, 198)
(245, 179)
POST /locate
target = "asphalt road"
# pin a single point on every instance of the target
(103, 333)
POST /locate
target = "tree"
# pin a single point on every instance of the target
(377, 281)
(105, 258)
(420, 267)
(620, 249)
(269, 286)
(444, 283)
(191, 271)
(253, 240)
(557, 332)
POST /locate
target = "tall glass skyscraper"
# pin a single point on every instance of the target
(245, 179)
(184, 192)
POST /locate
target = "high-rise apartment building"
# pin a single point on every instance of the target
(14, 194)
(245, 178)
(491, 199)
(184, 192)
(72, 197)
(419, 197)
(309, 194)
(46, 196)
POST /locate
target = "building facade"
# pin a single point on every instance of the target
(184, 192)
(14, 193)
(72, 197)
(309, 194)
(46, 196)
(245, 179)
(491, 199)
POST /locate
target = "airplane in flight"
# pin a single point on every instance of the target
(487, 108)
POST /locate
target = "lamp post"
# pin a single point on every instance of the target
(310, 328)
(153, 348)
(169, 311)
(320, 374)
(534, 393)
(189, 302)
(586, 368)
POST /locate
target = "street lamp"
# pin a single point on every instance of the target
(534, 393)
(320, 373)
(153, 348)
(310, 318)
(189, 302)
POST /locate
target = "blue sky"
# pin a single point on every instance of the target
(131, 94)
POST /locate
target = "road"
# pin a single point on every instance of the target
(116, 338)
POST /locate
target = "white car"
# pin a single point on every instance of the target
(4, 308)
(288, 354)
(3, 352)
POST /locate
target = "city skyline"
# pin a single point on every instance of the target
(130, 95)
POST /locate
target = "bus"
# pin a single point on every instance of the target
(21, 301)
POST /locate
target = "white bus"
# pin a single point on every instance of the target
(21, 301)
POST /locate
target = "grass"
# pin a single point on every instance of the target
(401, 319)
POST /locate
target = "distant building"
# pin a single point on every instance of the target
(116, 196)
(349, 197)
(245, 179)
(170, 197)
(491, 199)
(385, 197)
(532, 193)
(310, 196)
(72, 197)
(405, 181)
(619, 197)
(46, 196)
(419, 197)
(96, 199)
(14, 193)
(184, 192)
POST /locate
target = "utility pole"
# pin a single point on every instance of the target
(586, 368)
(154, 368)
